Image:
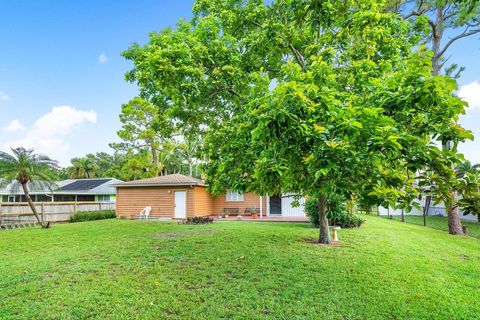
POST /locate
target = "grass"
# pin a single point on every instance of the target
(439, 223)
(118, 269)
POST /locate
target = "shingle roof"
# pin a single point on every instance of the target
(167, 180)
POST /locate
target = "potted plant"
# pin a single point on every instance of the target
(254, 215)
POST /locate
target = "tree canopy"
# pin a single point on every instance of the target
(310, 97)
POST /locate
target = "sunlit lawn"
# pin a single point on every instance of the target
(117, 269)
(440, 223)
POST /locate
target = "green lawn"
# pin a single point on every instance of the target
(122, 269)
(440, 223)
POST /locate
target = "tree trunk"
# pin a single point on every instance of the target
(323, 221)
(190, 167)
(453, 217)
(32, 206)
(478, 216)
(437, 35)
(155, 159)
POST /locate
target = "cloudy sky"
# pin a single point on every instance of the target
(62, 76)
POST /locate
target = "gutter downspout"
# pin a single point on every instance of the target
(261, 207)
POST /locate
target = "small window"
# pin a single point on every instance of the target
(234, 196)
(104, 198)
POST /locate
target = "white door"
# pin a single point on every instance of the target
(288, 210)
(180, 204)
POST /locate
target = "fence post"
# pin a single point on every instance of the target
(99, 206)
(43, 213)
(74, 209)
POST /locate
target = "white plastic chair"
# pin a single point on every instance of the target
(145, 212)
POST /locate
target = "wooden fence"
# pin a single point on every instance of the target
(50, 211)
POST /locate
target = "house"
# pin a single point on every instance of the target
(178, 196)
(79, 190)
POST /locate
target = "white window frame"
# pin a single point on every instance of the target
(233, 196)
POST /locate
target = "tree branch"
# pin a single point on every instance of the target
(296, 53)
(458, 37)
(430, 21)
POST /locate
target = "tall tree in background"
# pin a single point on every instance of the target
(83, 168)
(458, 20)
(25, 168)
(318, 98)
(144, 126)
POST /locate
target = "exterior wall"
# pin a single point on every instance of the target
(131, 200)
(202, 204)
(250, 200)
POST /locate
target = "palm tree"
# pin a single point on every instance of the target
(25, 168)
(466, 167)
(82, 168)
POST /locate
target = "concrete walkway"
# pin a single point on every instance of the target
(264, 219)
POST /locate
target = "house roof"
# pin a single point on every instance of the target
(71, 186)
(167, 180)
(84, 184)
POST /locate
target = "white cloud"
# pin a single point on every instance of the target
(102, 58)
(471, 94)
(4, 96)
(48, 134)
(15, 126)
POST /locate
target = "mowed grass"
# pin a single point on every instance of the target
(440, 223)
(118, 269)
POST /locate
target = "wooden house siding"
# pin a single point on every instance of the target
(250, 200)
(131, 200)
(202, 202)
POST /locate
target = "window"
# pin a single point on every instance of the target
(104, 198)
(85, 198)
(234, 196)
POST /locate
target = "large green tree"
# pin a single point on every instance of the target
(144, 126)
(457, 19)
(442, 23)
(317, 98)
(26, 169)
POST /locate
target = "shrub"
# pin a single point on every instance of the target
(92, 215)
(197, 220)
(337, 214)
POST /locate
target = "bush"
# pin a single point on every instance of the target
(92, 215)
(197, 220)
(337, 214)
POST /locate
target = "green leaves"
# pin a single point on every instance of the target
(300, 96)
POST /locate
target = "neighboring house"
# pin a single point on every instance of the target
(178, 196)
(80, 190)
(433, 210)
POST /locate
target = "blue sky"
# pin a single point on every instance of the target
(62, 76)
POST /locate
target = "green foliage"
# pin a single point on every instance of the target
(337, 214)
(144, 127)
(26, 170)
(197, 220)
(24, 166)
(435, 20)
(323, 97)
(93, 215)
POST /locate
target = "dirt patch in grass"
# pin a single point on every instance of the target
(181, 234)
(332, 244)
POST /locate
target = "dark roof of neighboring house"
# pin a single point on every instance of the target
(87, 184)
(99, 186)
(167, 180)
